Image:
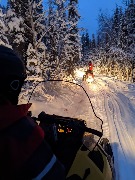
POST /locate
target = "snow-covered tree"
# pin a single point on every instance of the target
(73, 46)
(130, 17)
(93, 42)
(85, 40)
(60, 47)
(115, 26)
(3, 29)
(62, 37)
(51, 38)
(29, 17)
(15, 31)
(17, 12)
(36, 48)
(113, 54)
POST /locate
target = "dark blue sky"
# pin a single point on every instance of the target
(89, 10)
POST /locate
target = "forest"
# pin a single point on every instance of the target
(52, 45)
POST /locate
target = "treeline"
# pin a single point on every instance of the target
(46, 38)
(113, 48)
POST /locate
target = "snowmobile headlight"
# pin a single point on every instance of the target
(90, 79)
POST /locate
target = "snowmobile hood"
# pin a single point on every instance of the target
(11, 113)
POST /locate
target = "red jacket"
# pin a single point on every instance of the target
(23, 152)
(90, 66)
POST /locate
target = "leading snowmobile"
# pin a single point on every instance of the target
(65, 112)
(88, 76)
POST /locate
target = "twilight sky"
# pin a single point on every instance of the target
(89, 10)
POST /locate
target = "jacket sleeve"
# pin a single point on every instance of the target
(43, 164)
(26, 155)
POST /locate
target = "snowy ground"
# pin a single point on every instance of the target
(114, 103)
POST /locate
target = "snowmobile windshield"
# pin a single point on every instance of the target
(65, 99)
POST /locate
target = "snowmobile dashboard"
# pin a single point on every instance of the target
(66, 124)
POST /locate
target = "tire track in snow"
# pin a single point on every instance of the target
(121, 122)
(122, 143)
(115, 137)
(101, 95)
(121, 140)
(114, 99)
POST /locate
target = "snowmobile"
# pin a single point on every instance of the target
(88, 76)
(73, 130)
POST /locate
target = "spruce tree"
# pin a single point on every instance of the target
(31, 48)
(28, 11)
(86, 45)
(115, 26)
(73, 35)
(3, 29)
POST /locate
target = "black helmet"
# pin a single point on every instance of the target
(12, 74)
(10, 63)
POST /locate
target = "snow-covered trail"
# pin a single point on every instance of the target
(122, 142)
(113, 102)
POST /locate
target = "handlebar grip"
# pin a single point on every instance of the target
(95, 132)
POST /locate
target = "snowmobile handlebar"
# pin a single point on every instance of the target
(69, 122)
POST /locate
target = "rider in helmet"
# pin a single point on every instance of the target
(89, 71)
(23, 152)
(12, 74)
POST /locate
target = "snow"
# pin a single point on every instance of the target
(114, 103)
